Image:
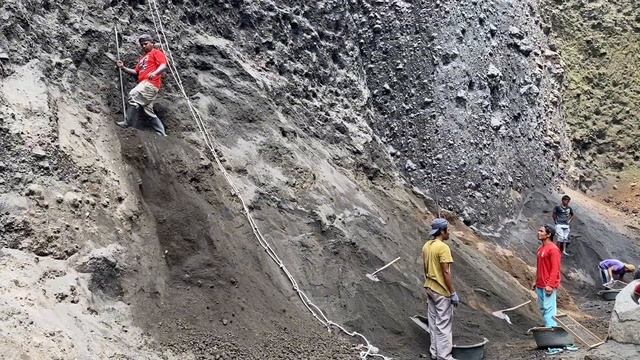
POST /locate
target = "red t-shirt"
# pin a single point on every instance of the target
(149, 63)
(548, 266)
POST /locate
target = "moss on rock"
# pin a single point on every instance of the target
(599, 44)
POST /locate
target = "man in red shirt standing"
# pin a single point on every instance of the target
(547, 275)
(148, 70)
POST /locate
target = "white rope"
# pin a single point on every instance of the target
(317, 313)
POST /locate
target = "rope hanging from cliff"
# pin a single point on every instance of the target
(317, 313)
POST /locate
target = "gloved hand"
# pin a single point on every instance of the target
(455, 299)
(608, 284)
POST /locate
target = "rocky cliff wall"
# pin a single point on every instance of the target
(467, 98)
(464, 94)
(598, 43)
(324, 114)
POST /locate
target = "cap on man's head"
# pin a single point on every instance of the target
(566, 197)
(144, 38)
(636, 293)
(437, 225)
(630, 267)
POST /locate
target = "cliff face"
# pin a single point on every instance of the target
(343, 123)
(466, 94)
(598, 43)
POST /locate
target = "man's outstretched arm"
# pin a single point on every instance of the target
(129, 71)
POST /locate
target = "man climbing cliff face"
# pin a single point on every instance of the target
(547, 275)
(148, 70)
(441, 297)
(562, 216)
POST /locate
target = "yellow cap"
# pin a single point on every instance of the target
(630, 267)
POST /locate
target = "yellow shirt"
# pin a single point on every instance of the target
(434, 253)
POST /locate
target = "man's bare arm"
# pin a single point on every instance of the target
(129, 71)
(446, 271)
(162, 68)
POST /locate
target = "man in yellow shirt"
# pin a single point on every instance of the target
(441, 297)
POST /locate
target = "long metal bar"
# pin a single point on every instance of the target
(124, 108)
(515, 307)
(386, 266)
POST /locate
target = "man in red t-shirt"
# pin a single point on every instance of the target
(547, 274)
(148, 70)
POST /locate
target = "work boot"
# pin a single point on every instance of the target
(122, 124)
(131, 118)
(157, 125)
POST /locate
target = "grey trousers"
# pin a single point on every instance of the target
(604, 274)
(144, 94)
(440, 313)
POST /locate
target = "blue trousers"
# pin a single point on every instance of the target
(547, 305)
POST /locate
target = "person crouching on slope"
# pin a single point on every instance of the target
(148, 70)
(441, 297)
(547, 274)
(614, 269)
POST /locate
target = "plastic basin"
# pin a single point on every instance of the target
(551, 337)
(469, 352)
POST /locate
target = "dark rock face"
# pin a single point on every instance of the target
(460, 92)
(456, 90)
(463, 93)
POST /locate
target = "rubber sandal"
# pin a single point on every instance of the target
(571, 347)
(553, 351)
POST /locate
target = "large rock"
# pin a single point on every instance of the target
(613, 350)
(105, 267)
(625, 319)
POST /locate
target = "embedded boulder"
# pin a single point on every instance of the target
(105, 267)
(625, 318)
